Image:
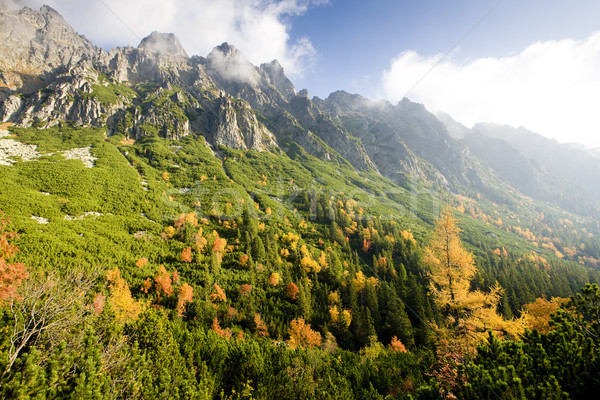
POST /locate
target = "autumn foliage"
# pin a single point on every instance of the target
(218, 294)
(125, 307)
(469, 313)
(291, 290)
(342, 318)
(163, 283)
(98, 303)
(11, 274)
(218, 247)
(186, 295)
(245, 290)
(361, 281)
(274, 279)
(186, 255)
(226, 333)
(538, 314)
(301, 335)
(141, 262)
(260, 326)
(397, 345)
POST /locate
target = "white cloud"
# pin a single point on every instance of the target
(232, 66)
(259, 28)
(552, 88)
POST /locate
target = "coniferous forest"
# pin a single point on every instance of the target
(138, 289)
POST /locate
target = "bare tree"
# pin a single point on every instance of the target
(51, 306)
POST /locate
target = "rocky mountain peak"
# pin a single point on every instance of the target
(346, 99)
(164, 43)
(455, 129)
(277, 76)
(227, 50)
(36, 42)
(273, 68)
(46, 11)
(406, 105)
(304, 94)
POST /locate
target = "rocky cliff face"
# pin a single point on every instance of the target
(276, 76)
(292, 117)
(334, 135)
(33, 43)
(50, 75)
(157, 89)
(76, 93)
(404, 139)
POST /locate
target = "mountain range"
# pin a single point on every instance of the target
(50, 75)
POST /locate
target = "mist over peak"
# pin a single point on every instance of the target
(166, 43)
(231, 65)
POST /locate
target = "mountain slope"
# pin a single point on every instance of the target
(405, 139)
(194, 227)
(540, 167)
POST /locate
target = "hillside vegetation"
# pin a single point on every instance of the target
(171, 231)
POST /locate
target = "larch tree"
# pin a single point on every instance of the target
(469, 313)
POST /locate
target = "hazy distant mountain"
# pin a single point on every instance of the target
(538, 166)
(594, 152)
(455, 129)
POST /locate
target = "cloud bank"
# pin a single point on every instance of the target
(259, 28)
(551, 87)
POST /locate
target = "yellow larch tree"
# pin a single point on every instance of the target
(538, 314)
(469, 313)
(125, 307)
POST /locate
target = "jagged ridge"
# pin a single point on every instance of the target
(51, 75)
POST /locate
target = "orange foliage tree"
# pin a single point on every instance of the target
(141, 262)
(163, 283)
(218, 294)
(245, 290)
(243, 260)
(186, 295)
(260, 326)
(11, 274)
(397, 345)
(186, 255)
(98, 303)
(226, 333)
(218, 247)
(292, 290)
(302, 335)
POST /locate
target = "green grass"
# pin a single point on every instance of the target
(110, 93)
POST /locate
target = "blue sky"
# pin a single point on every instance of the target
(533, 63)
(358, 39)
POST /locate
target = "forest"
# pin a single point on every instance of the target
(172, 270)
